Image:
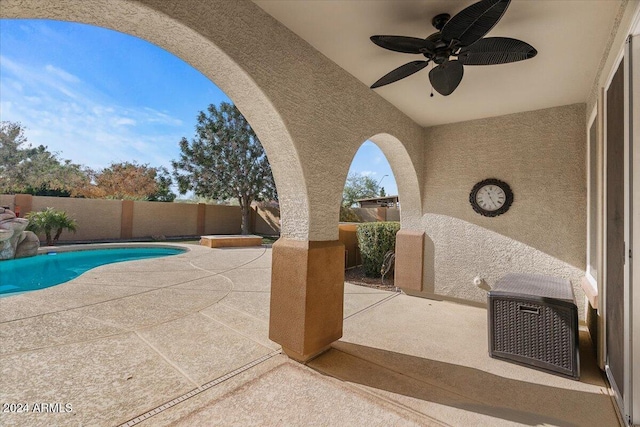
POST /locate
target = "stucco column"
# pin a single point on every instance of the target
(409, 265)
(307, 291)
(126, 220)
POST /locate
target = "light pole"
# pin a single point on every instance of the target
(384, 176)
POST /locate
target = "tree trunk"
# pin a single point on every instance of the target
(245, 217)
(47, 235)
(57, 236)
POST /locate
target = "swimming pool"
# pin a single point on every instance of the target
(42, 271)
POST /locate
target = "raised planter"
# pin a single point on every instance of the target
(233, 240)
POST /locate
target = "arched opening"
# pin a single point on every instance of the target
(370, 195)
(212, 61)
(405, 176)
(380, 159)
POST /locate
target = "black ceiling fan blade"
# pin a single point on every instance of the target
(400, 73)
(446, 77)
(404, 44)
(472, 23)
(496, 50)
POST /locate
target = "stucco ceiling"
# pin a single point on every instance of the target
(570, 36)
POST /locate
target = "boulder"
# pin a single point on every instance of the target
(28, 246)
(13, 237)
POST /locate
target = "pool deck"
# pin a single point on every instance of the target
(183, 340)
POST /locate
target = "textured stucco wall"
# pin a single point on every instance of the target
(7, 200)
(310, 115)
(541, 155)
(366, 214)
(393, 214)
(164, 219)
(267, 221)
(97, 219)
(222, 219)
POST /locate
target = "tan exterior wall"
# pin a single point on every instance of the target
(220, 219)
(164, 219)
(7, 200)
(266, 221)
(393, 214)
(97, 219)
(366, 214)
(104, 220)
(541, 155)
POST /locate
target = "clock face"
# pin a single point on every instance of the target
(491, 197)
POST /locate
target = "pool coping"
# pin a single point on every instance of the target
(93, 246)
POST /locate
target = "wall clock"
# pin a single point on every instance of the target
(491, 197)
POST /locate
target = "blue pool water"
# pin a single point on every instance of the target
(43, 271)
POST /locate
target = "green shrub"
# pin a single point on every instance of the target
(375, 239)
(49, 221)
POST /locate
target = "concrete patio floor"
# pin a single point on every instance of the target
(184, 341)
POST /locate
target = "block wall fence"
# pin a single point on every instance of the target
(100, 220)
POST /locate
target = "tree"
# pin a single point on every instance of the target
(358, 187)
(382, 192)
(48, 221)
(225, 160)
(35, 170)
(131, 181)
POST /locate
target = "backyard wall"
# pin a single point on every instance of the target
(7, 200)
(97, 219)
(220, 219)
(541, 155)
(266, 221)
(156, 218)
(100, 219)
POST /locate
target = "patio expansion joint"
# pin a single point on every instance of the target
(64, 344)
(204, 387)
(369, 307)
(264, 251)
(166, 359)
(145, 290)
(243, 312)
(148, 290)
(236, 331)
(362, 391)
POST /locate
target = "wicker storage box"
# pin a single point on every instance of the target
(533, 320)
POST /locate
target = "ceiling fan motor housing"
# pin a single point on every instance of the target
(438, 21)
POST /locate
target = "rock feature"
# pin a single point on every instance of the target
(15, 242)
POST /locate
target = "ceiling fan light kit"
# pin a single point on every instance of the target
(460, 37)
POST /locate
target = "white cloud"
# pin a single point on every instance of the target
(82, 124)
(154, 116)
(67, 77)
(24, 76)
(122, 121)
(368, 173)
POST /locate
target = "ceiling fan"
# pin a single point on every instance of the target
(460, 37)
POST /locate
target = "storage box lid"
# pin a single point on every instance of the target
(535, 285)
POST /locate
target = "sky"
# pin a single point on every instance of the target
(96, 96)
